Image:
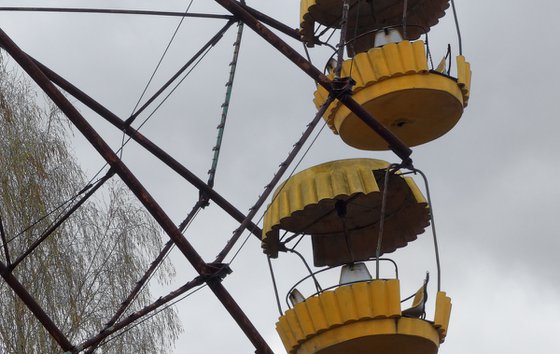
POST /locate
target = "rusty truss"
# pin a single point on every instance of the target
(210, 273)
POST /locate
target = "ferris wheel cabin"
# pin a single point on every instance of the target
(347, 207)
(392, 70)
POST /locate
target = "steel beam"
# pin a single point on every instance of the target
(113, 11)
(137, 188)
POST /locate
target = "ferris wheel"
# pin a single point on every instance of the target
(378, 89)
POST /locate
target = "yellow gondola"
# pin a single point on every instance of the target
(360, 314)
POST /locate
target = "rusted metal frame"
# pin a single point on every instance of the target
(153, 266)
(149, 146)
(94, 341)
(60, 221)
(215, 39)
(394, 143)
(114, 11)
(275, 179)
(138, 189)
(225, 106)
(294, 33)
(4, 242)
(35, 308)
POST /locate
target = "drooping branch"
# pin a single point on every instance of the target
(60, 221)
(94, 341)
(149, 146)
(35, 308)
(4, 242)
(153, 266)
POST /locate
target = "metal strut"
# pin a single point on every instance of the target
(35, 308)
(275, 179)
(393, 142)
(113, 11)
(225, 105)
(212, 42)
(201, 203)
(4, 242)
(93, 342)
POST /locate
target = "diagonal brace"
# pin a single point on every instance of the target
(394, 143)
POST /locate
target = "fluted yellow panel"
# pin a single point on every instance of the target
(393, 58)
(285, 332)
(421, 63)
(364, 71)
(330, 309)
(346, 304)
(380, 65)
(294, 323)
(318, 318)
(307, 24)
(442, 314)
(367, 320)
(464, 77)
(363, 299)
(415, 190)
(392, 297)
(307, 321)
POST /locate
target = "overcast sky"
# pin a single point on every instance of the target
(492, 178)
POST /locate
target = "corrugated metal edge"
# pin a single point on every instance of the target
(442, 314)
(464, 78)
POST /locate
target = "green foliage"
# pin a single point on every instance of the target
(84, 270)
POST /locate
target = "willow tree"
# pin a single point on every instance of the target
(82, 272)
